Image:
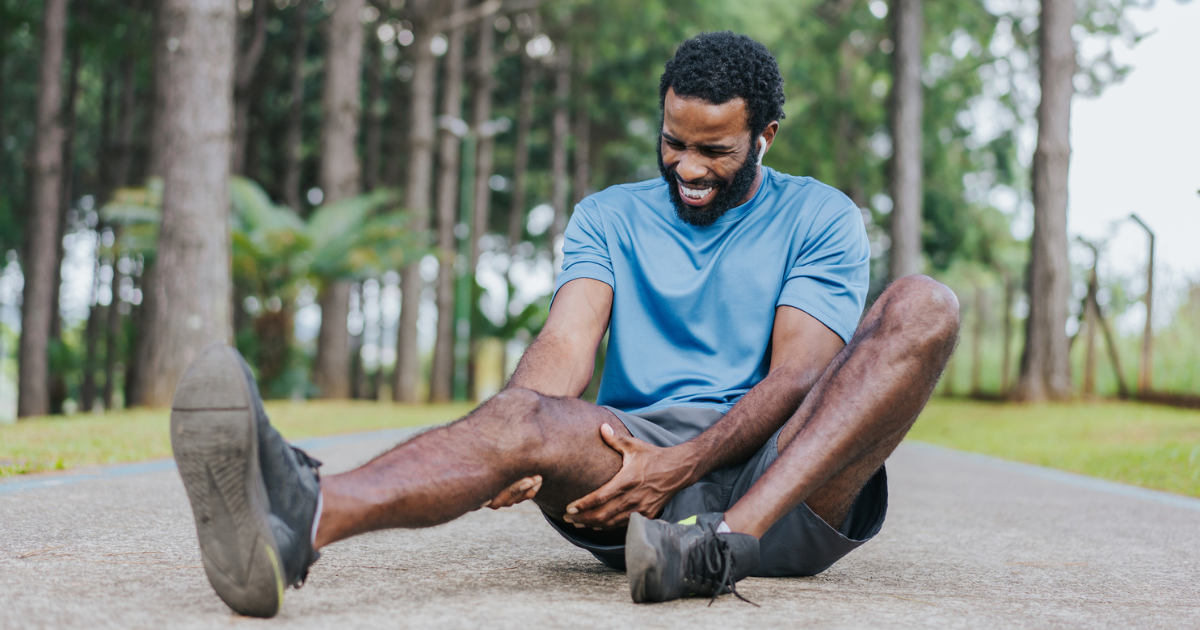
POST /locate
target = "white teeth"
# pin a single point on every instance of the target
(694, 194)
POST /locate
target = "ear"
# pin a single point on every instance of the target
(767, 139)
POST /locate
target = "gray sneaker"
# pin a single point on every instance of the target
(666, 561)
(253, 496)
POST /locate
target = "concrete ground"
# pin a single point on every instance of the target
(970, 542)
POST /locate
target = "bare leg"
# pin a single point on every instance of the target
(859, 410)
(449, 471)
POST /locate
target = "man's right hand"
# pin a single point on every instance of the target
(522, 490)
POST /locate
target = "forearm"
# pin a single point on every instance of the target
(554, 366)
(751, 422)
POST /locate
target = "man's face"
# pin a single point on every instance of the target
(707, 157)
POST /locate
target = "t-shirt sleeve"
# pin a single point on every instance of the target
(585, 248)
(829, 277)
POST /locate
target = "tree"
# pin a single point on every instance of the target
(244, 87)
(906, 126)
(33, 397)
(294, 132)
(441, 376)
(558, 155)
(340, 178)
(1044, 364)
(481, 113)
(416, 193)
(187, 302)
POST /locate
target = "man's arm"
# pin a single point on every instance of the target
(802, 348)
(560, 361)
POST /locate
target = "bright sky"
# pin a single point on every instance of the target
(1136, 148)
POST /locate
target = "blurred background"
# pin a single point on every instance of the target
(368, 196)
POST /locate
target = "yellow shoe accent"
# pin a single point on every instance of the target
(691, 520)
(278, 574)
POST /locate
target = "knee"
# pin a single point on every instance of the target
(924, 311)
(521, 413)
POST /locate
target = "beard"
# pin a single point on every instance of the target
(729, 194)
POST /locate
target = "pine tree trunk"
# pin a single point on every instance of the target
(417, 204)
(187, 298)
(441, 378)
(583, 167)
(91, 339)
(981, 310)
(340, 177)
(481, 112)
(1044, 366)
(906, 111)
(247, 66)
(292, 137)
(33, 398)
(112, 337)
(558, 152)
(516, 212)
(373, 117)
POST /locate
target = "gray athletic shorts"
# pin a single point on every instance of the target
(799, 544)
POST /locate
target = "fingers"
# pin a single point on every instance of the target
(522, 490)
(616, 442)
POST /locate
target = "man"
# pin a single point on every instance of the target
(743, 406)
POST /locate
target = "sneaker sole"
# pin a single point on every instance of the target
(214, 437)
(641, 558)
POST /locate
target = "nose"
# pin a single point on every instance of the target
(691, 167)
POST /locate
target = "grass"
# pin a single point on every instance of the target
(1144, 445)
(59, 443)
(1151, 446)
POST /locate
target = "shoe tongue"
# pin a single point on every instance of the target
(710, 521)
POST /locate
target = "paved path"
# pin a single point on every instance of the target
(970, 542)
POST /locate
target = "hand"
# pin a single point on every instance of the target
(649, 477)
(522, 490)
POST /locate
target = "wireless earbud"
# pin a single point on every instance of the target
(762, 149)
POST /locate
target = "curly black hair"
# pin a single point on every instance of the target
(719, 67)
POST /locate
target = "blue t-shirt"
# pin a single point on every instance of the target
(693, 307)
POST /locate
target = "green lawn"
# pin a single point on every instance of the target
(1150, 446)
(1145, 445)
(57, 443)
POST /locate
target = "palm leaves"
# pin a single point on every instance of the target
(272, 247)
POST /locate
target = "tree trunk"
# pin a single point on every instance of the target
(112, 336)
(340, 177)
(1006, 336)
(243, 92)
(441, 378)
(187, 298)
(1045, 365)
(122, 154)
(373, 116)
(583, 129)
(292, 137)
(87, 389)
(981, 309)
(516, 212)
(1090, 321)
(33, 398)
(558, 152)
(906, 111)
(481, 112)
(417, 204)
(58, 381)
(397, 134)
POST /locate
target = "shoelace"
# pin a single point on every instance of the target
(709, 559)
(309, 460)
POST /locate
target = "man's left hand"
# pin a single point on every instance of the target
(649, 477)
